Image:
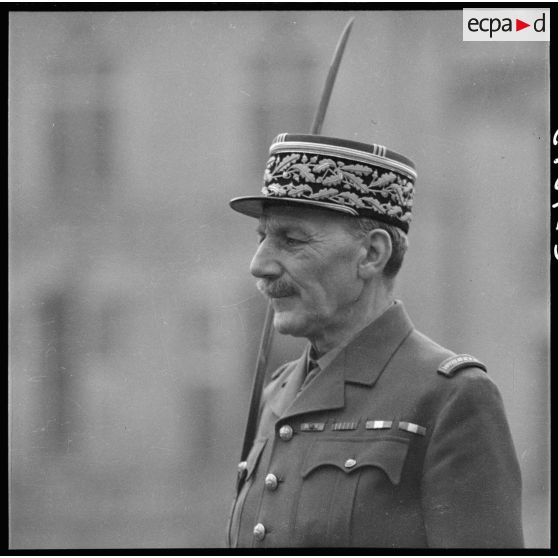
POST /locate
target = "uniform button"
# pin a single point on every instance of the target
(350, 463)
(286, 432)
(242, 466)
(259, 532)
(271, 481)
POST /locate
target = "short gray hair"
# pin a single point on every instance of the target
(399, 241)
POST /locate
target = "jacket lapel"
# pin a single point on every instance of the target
(327, 391)
(286, 394)
(361, 362)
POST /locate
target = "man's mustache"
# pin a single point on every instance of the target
(275, 289)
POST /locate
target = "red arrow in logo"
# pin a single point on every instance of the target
(519, 25)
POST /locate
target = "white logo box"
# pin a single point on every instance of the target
(505, 24)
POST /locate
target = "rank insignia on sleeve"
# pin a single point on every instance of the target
(452, 365)
(413, 428)
(378, 424)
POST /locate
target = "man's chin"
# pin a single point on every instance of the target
(286, 324)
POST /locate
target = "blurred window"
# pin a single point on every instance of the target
(56, 420)
(80, 152)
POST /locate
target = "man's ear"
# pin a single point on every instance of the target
(378, 249)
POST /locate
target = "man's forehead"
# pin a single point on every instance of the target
(301, 218)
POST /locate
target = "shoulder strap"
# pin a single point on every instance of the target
(452, 365)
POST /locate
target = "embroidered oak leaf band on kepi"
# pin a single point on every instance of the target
(343, 175)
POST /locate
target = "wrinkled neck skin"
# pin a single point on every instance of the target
(375, 298)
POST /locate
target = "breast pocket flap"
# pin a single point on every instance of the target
(351, 455)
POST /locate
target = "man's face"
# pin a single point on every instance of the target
(306, 263)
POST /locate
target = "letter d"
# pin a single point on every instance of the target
(537, 21)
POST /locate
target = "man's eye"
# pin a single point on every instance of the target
(293, 241)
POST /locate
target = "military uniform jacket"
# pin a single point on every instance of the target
(383, 449)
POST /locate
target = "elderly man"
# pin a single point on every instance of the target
(376, 436)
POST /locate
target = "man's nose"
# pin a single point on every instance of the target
(264, 264)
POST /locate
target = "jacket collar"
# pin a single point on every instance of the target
(361, 362)
(366, 357)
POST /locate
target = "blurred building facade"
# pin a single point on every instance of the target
(133, 320)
